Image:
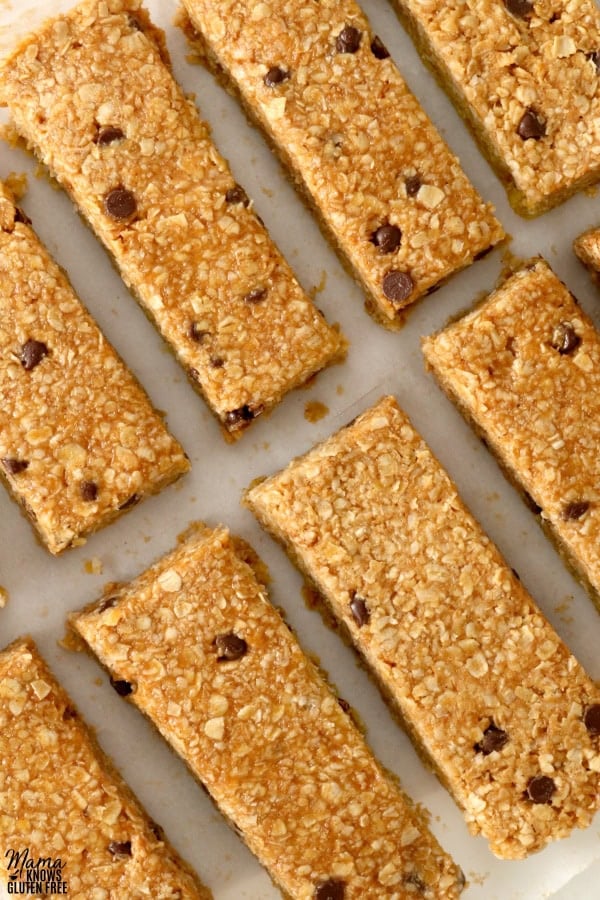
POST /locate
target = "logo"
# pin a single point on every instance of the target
(32, 876)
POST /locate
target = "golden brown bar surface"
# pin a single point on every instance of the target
(524, 367)
(62, 800)
(213, 665)
(389, 193)
(92, 94)
(489, 693)
(525, 76)
(587, 248)
(79, 439)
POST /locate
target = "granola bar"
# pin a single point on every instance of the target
(587, 248)
(63, 802)
(525, 369)
(196, 645)
(79, 439)
(389, 194)
(486, 689)
(94, 96)
(525, 77)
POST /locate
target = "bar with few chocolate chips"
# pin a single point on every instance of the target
(64, 808)
(525, 77)
(93, 94)
(196, 645)
(79, 439)
(524, 368)
(490, 695)
(387, 190)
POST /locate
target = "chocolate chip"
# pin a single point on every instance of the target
(108, 134)
(134, 22)
(386, 238)
(157, 830)
(531, 126)
(575, 510)
(216, 362)
(360, 610)
(197, 333)
(107, 603)
(415, 881)
(332, 889)
(412, 183)
(343, 704)
(14, 466)
(519, 8)
(378, 48)
(591, 719)
(120, 848)
(120, 204)
(595, 58)
(256, 295)
(397, 285)
(565, 339)
(237, 194)
(275, 75)
(123, 688)
(230, 647)
(494, 738)
(348, 40)
(235, 416)
(69, 713)
(131, 501)
(540, 789)
(21, 217)
(32, 353)
(89, 490)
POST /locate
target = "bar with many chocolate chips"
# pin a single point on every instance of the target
(216, 669)
(524, 368)
(93, 94)
(385, 187)
(490, 695)
(63, 802)
(526, 78)
(78, 435)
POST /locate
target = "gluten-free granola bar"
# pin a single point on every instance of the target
(389, 194)
(79, 439)
(63, 802)
(195, 643)
(525, 76)
(524, 367)
(487, 690)
(93, 94)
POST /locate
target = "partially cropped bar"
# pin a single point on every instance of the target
(196, 645)
(93, 94)
(487, 690)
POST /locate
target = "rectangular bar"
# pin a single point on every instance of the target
(387, 190)
(62, 801)
(79, 439)
(524, 368)
(587, 248)
(93, 95)
(489, 693)
(198, 647)
(525, 77)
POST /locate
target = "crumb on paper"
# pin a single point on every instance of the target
(93, 566)
(3, 597)
(339, 390)
(564, 610)
(268, 192)
(16, 182)
(71, 641)
(478, 877)
(314, 411)
(320, 287)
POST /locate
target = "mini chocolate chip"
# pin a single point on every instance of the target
(386, 238)
(416, 881)
(216, 362)
(344, 704)
(14, 466)
(519, 8)
(69, 713)
(378, 48)
(123, 688)
(230, 647)
(360, 610)
(275, 75)
(565, 339)
(157, 830)
(131, 501)
(21, 217)
(197, 333)
(595, 58)
(348, 40)
(194, 373)
(108, 134)
(332, 889)
(134, 22)
(531, 126)
(397, 285)
(494, 738)
(235, 416)
(120, 848)
(575, 510)
(591, 719)
(89, 490)
(412, 183)
(237, 194)
(107, 603)
(256, 295)
(540, 789)
(120, 204)
(32, 353)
